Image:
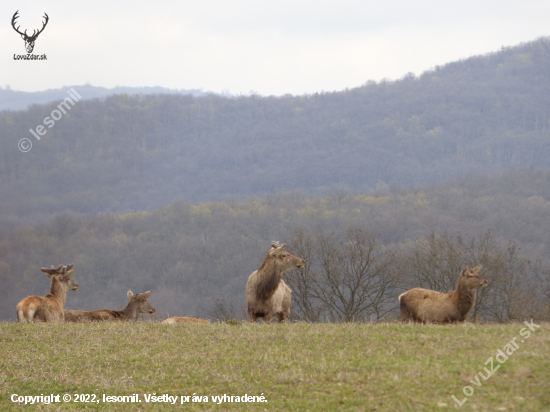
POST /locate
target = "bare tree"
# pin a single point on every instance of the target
(304, 307)
(225, 311)
(519, 290)
(351, 279)
(434, 263)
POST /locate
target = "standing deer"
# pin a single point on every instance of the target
(423, 305)
(29, 40)
(267, 294)
(48, 308)
(137, 304)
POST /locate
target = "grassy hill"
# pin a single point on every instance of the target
(316, 367)
(123, 153)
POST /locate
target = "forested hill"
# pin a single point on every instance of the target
(19, 100)
(483, 114)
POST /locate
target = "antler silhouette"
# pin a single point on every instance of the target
(15, 16)
(43, 26)
(29, 40)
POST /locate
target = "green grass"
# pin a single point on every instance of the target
(305, 367)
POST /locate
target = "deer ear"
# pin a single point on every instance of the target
(129, 294)
(275, 252)
(476, 269)
(145, 295)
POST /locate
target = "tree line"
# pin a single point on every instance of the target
(362, 250)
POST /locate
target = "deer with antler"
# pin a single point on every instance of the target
(48, 308)
(29, 40)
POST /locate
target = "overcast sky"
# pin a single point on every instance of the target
(241, 46)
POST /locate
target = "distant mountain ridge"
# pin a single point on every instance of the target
(20, 100)
(485, 114)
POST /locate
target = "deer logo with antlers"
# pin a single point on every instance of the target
(29, 40)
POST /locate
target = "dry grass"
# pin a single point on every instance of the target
(315, 367)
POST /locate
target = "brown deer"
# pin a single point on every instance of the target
(267, 294)
(423, 305)
(48, 308)
(137, 304)
(177, 320)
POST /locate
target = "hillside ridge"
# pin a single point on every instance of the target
(485, 114)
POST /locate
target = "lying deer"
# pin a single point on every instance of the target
(137, 304)
(48, 308)
(423, 305)
(178, 320)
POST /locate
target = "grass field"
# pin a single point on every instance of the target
(305, 367)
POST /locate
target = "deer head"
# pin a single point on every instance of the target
(471, 279)
(63, 275)
(283, 259)
(29, 40)
(140, 300)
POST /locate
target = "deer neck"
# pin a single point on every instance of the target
(131, 311)
(465, 298)
(269, 278)
(58, 291)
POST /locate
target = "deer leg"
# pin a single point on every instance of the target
(30, 315)
(253, 318)
(283, 316)
(406, 315)
(267, 318)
